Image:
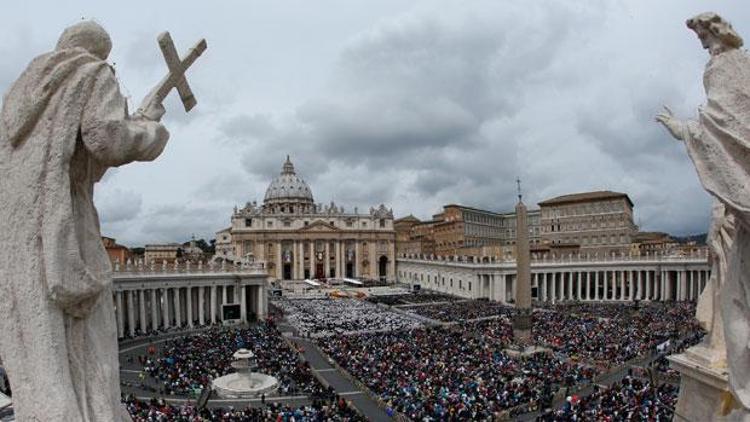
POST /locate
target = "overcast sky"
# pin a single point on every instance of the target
(410, 104)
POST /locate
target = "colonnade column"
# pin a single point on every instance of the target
(691, 285)
(554, 287)
(570, 284)
(201, 305)
(578, 285)
(189, 305)
(142, 309)
(213, 304)
(177, 310)
(131, 314)
(120, 315)
(596, 285)
(165, 307)
(154, 310)
(648, 285)
(243, 304)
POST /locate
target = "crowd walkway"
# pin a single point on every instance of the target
(344, 387)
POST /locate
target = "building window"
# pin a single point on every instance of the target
(306, 223)
(348, 224)
(287, 224)
(248, 222)
(269, 224)
(382, 223)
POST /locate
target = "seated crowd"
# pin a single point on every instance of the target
(188, 364)
(412, 298)
(460, 372)
(461, 311)
(323, 317)
(329, 408)
(613, 341)
(630, 399)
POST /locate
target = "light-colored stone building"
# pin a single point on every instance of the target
(158, 253)
(462, 230)
(598, 222)
(299, 239)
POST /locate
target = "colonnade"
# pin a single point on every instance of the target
(619, 285)
(627, 280)
(158, 306)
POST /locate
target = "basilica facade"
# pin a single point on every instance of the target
(299, 239)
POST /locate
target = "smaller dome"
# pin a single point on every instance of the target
(288, 186)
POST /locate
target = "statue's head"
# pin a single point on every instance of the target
(88, 35)
(715, 33)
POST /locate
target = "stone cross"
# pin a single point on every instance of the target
(177, 68)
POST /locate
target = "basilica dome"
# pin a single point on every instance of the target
(288, 188)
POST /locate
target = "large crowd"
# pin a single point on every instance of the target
(461, 311)
(630, 399)
(627, 334)
(328, 408)
(188, 364)
(324, 317)
(412, 298)
(452, 373)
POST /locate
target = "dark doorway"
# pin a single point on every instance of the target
(383, 267)
(349, 270)
(319, 273)
(287, 271)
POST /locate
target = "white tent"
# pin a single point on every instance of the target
(353, 281)
(312, 283)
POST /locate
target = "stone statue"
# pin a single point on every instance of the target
(63, 123)
(718, 143)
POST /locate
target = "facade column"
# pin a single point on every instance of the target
(142, 309)
(189, 305)
(279, 263)
(243, 304)
(301, 253)
(327, 259)
(579, 288)
(640, 285)
(623, 275)
(120, 315)
(337, 258)
(201, 305)
(165, 307)
(648, 285)
(313, 259)
(154, 310)
(358, 259)
(213, 304)
(262, 303)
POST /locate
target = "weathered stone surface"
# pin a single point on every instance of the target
(64, 122)
(718, 143)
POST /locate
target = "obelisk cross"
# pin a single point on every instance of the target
(177, 68)
(518, 183)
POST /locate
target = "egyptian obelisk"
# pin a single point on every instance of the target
(522, 319)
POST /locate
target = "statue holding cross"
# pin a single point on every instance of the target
(63, 123)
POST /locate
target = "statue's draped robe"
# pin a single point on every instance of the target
(63, 123)
(719, 145)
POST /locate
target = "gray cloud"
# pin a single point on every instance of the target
(411, 104)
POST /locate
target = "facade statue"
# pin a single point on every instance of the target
(718, 143)
(63, 123)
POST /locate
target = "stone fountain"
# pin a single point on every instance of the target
(245, 383)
